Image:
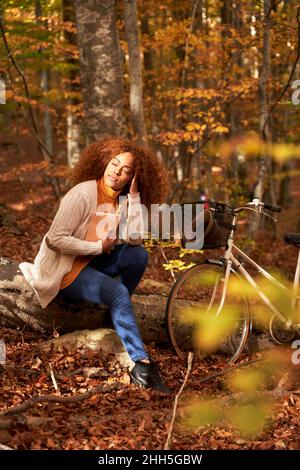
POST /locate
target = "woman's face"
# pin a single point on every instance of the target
(119, 171)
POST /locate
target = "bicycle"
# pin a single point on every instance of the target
(204, 286)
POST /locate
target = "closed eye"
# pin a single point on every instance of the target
(115, 164)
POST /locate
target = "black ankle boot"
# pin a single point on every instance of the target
(146, 375)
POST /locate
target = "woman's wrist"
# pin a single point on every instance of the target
(100, 244)
(133, 194)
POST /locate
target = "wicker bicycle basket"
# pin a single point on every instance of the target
(218, 218)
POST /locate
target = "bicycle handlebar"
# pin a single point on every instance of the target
(256, 204)
(272, 208)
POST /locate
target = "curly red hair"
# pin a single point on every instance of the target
(153, 181)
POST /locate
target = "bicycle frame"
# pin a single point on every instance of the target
(231, 260)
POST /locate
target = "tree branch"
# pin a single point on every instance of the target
(58, 399)
(189, 367)
(209, 377)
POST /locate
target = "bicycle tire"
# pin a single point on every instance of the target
(180, 335)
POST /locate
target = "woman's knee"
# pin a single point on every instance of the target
(133, 255)
(138, 255)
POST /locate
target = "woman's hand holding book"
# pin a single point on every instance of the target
(102, 226)
(108, 244)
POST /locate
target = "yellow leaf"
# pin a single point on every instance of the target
(251, 418)
(246, 381)
(210, 330)
(221, 129)
(202, 413)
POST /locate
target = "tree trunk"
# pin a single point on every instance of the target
(265, 164)
(47, 116)
(48, 130)
(44, 80)
(19, 307)
(149, 68)
(101, 76)
(73, 137)
(182, 52)
(265, 132)
(135, 72)
(285, 196)
(73, 120)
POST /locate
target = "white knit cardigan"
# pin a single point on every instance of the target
(65, 240)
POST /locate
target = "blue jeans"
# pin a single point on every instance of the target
(95, 283)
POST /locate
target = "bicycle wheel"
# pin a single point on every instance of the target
(199, 291)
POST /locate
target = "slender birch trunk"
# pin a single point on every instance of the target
(135, 72)
(73, 120)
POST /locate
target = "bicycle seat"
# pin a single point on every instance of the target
(293, 239)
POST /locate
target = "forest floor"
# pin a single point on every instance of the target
(127, 417)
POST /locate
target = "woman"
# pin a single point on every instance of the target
(74, 264)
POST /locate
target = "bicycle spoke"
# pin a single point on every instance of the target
(192, 320)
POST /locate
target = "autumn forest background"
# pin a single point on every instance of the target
(211, 87)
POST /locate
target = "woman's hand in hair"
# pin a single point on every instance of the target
(134, 184)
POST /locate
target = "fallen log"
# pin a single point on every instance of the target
(103, 340)
(19, 307)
